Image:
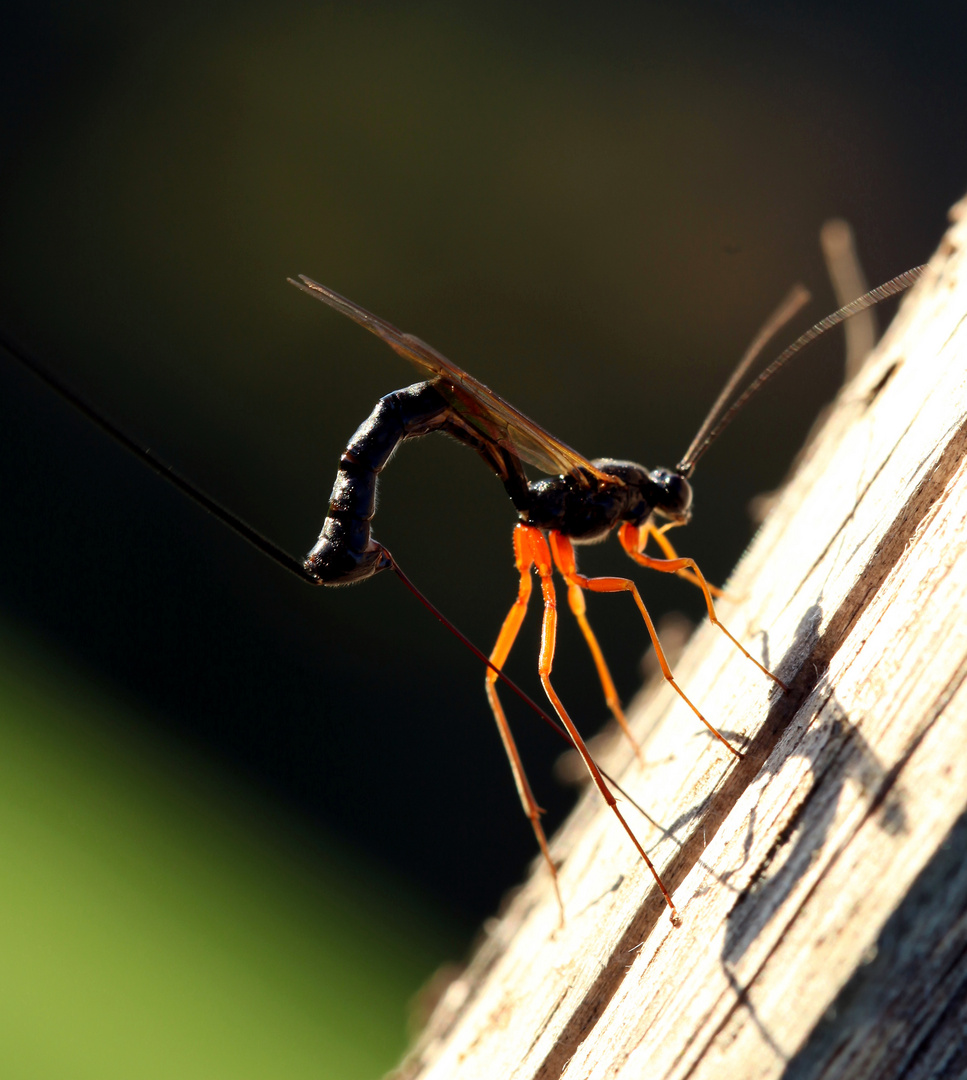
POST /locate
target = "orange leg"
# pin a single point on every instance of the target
(632, 540)
(540, 556)
(505, 641)
(575, 599)
(564, 557)
(651, 530)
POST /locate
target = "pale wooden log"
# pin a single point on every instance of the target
(822, 880)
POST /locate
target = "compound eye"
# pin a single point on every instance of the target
(674, 494)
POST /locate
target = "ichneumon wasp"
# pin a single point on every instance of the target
(579, 501)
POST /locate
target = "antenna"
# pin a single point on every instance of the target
(797, 297)
(703, 441)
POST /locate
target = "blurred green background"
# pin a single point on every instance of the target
(244, 820)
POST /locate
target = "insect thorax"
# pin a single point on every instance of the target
(587, 513)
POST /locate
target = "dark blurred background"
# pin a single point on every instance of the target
(592, 210)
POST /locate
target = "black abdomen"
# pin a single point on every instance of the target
(346, 551)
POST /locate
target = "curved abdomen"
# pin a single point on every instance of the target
(346, 551)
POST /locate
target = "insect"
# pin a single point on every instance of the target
(580, 501)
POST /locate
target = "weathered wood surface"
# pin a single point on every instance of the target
(823, 879)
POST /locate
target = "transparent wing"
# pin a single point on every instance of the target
(488, 412)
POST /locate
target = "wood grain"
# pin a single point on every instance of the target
(821, 879)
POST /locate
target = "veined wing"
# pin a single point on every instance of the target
(489, 413)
